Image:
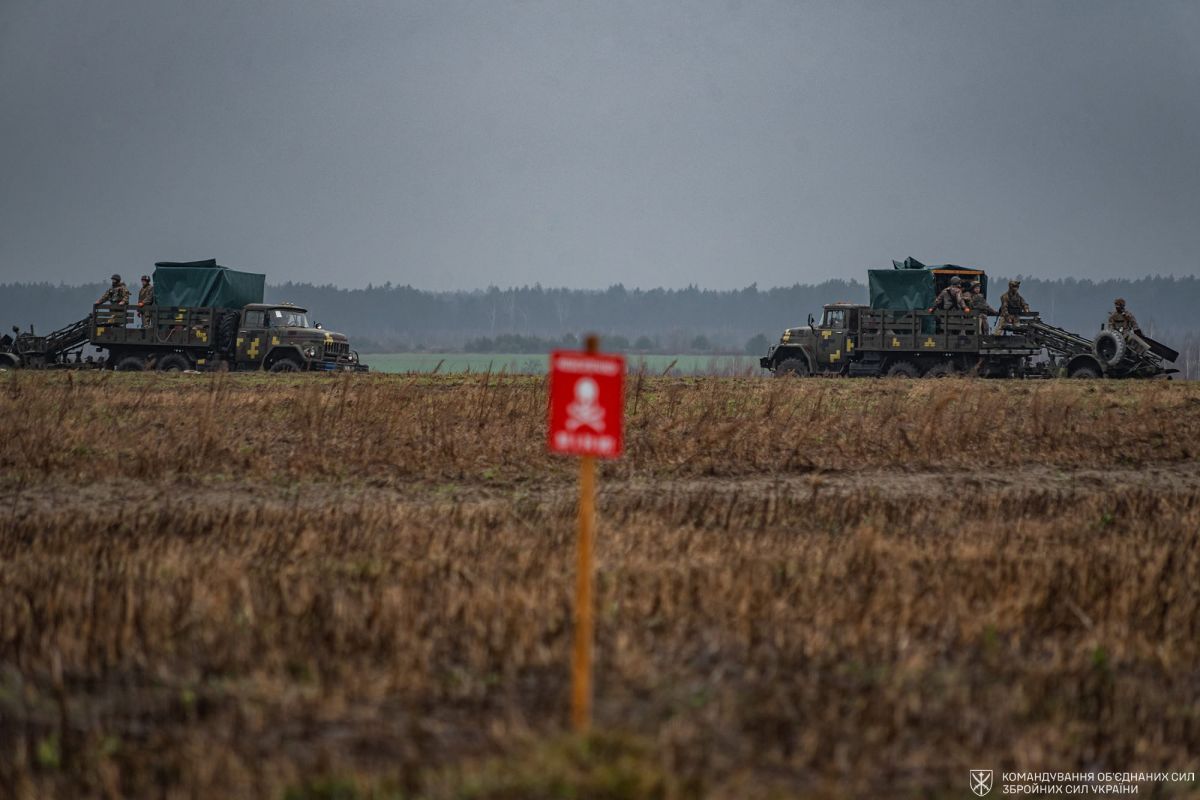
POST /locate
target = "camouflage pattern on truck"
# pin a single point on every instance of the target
(275, 337)
(855, 340)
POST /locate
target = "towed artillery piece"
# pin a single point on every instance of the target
(28, 349)
(896, 335)
(1111, 354)
(206, 317)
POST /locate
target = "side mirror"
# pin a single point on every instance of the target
(317, 325)
(811, 321)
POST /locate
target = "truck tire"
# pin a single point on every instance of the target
(791, 368)
(227, 332)
(173, 362)
(1110, 347)
(902, 369)
(8, 361)
(943, 370)
(285, 364)
(130, 364)
(1084, 372)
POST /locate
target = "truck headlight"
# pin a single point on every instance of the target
(310, 351)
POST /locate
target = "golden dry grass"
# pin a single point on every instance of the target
(241, 586)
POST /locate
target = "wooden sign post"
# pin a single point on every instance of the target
(587, 403)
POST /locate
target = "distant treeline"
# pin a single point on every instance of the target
(535, 318)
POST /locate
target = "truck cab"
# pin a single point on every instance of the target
(823, 348)
(280, 338)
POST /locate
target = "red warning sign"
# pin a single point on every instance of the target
(587, 402)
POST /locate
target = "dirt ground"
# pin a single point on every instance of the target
(361, 587)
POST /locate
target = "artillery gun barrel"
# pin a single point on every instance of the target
(1059, 340)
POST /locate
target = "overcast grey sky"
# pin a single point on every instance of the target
(456, 145)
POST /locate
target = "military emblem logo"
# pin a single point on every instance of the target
(981, 781)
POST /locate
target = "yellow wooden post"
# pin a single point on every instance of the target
(581, 688)
(581, 661)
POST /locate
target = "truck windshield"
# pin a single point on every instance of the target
(835, 318)
(282, 318)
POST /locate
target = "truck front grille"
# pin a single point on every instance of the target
(336, 350)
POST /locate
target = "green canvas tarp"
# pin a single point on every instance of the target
(191, 284)
(910, 284)
(900, 289)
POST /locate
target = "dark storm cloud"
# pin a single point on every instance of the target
(454, 145)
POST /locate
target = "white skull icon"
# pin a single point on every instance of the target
(583, 412)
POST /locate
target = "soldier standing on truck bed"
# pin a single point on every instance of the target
(951, 297)
(145, 298)
(979, 306)
(1120, 319)
(1011, 304)
(117, 294)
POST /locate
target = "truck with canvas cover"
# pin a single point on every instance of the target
(897, 335)
(205, 317)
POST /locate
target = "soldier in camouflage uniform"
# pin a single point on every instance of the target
(979, 306)
(117, 294)
(1011, 304)
(145, 298)
(1120, 319)
(951, 297)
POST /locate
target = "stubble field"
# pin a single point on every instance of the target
(304, 587)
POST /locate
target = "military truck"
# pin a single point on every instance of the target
(897, 335)
(206, 317)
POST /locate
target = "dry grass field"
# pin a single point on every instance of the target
(312, 587)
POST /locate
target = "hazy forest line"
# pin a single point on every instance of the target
(402, 318)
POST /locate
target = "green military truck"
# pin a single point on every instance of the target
(205, 317)
(896, 335)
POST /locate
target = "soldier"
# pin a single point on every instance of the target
(117, 294)
(145, 298)
(1120, 319)
(1011, 304)
(952, 297)
(979, 306)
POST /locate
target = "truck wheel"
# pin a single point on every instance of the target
(285, 365)
(791, 368)
(130, 364)
(227, 332)
(1110, 347)
(1084, 372)
(902, 369)
(8, 361)
(173, 362)
(943, 370)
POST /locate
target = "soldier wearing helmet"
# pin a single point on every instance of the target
(1011, 304)
(145, 298)
(952, 297)
(116, 294)
(1120, 319)
(979, 306)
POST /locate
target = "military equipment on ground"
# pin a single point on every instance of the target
(898, 335)
(206, 317)
(30, 350)
(1111, 354)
